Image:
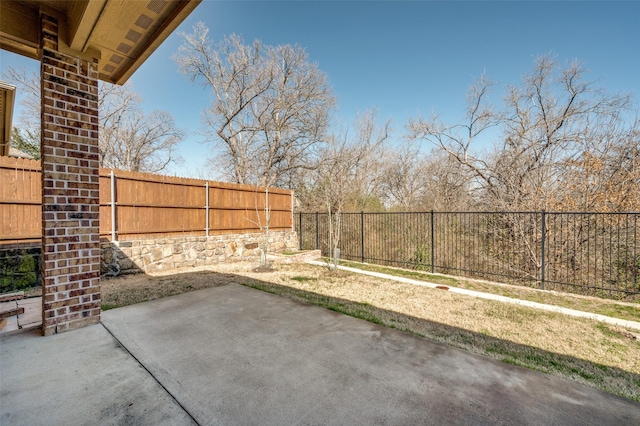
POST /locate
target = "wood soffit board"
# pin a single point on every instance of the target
(121, 34)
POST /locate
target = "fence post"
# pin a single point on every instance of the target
(114, 235)
(433, 251)
(362, 235)
(544, 232)
(206, 215)
(317, 232)
(300, 230)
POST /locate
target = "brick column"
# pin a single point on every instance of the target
(70, 193)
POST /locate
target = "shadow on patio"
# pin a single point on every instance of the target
(228, 354)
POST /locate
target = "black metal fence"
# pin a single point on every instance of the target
(587, 253)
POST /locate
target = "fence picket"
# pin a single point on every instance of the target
(142, 205)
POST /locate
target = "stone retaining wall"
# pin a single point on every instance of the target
(172, 253)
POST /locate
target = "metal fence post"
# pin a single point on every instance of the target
(543, 239)
(317, 232)
(362, 236)
(300, 230)
(114, 234)
(483, 244)
(433, 251)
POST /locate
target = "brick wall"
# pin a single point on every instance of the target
(70, 204)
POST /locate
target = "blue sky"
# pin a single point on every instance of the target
(404, 58)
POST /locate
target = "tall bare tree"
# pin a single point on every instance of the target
(605, 176)
(417, 181)
(347, 173)
(560, 143)
(404, 181)
(546, 124)
(270, 105)
(129, 139)
(25, 135)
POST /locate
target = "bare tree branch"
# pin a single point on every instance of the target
(129, 139)
(551, 123)
(270, 105)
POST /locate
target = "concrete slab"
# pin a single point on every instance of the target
(82, 377)
(234, 355)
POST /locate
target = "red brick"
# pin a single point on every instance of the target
(69, 156)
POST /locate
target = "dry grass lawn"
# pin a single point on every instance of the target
(609, 307)
(587, 351)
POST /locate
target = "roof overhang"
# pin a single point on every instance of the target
(121, 34)
(7, 99)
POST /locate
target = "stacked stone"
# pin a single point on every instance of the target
(173, 253)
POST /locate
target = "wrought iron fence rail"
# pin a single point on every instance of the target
(591, 252)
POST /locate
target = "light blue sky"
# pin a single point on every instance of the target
(404, 58)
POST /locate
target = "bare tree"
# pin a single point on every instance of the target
(546, 124)
(446, 184)
(24, 142)
(270, 105)
(413, 180)
(404, 182)
(129, 139)
(459, 140)
(25, 136)
(605, 176)
(345, 174)
(561, 143)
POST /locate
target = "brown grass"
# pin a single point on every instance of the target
(607, 357)
(131, 289)
(617, 309)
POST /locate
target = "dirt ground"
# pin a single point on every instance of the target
(604, 356)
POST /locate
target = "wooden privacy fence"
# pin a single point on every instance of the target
(20, 201)
(142, 205)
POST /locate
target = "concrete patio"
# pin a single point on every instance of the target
(234, 355)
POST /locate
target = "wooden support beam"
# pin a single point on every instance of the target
(8, 297)
(10, 312)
